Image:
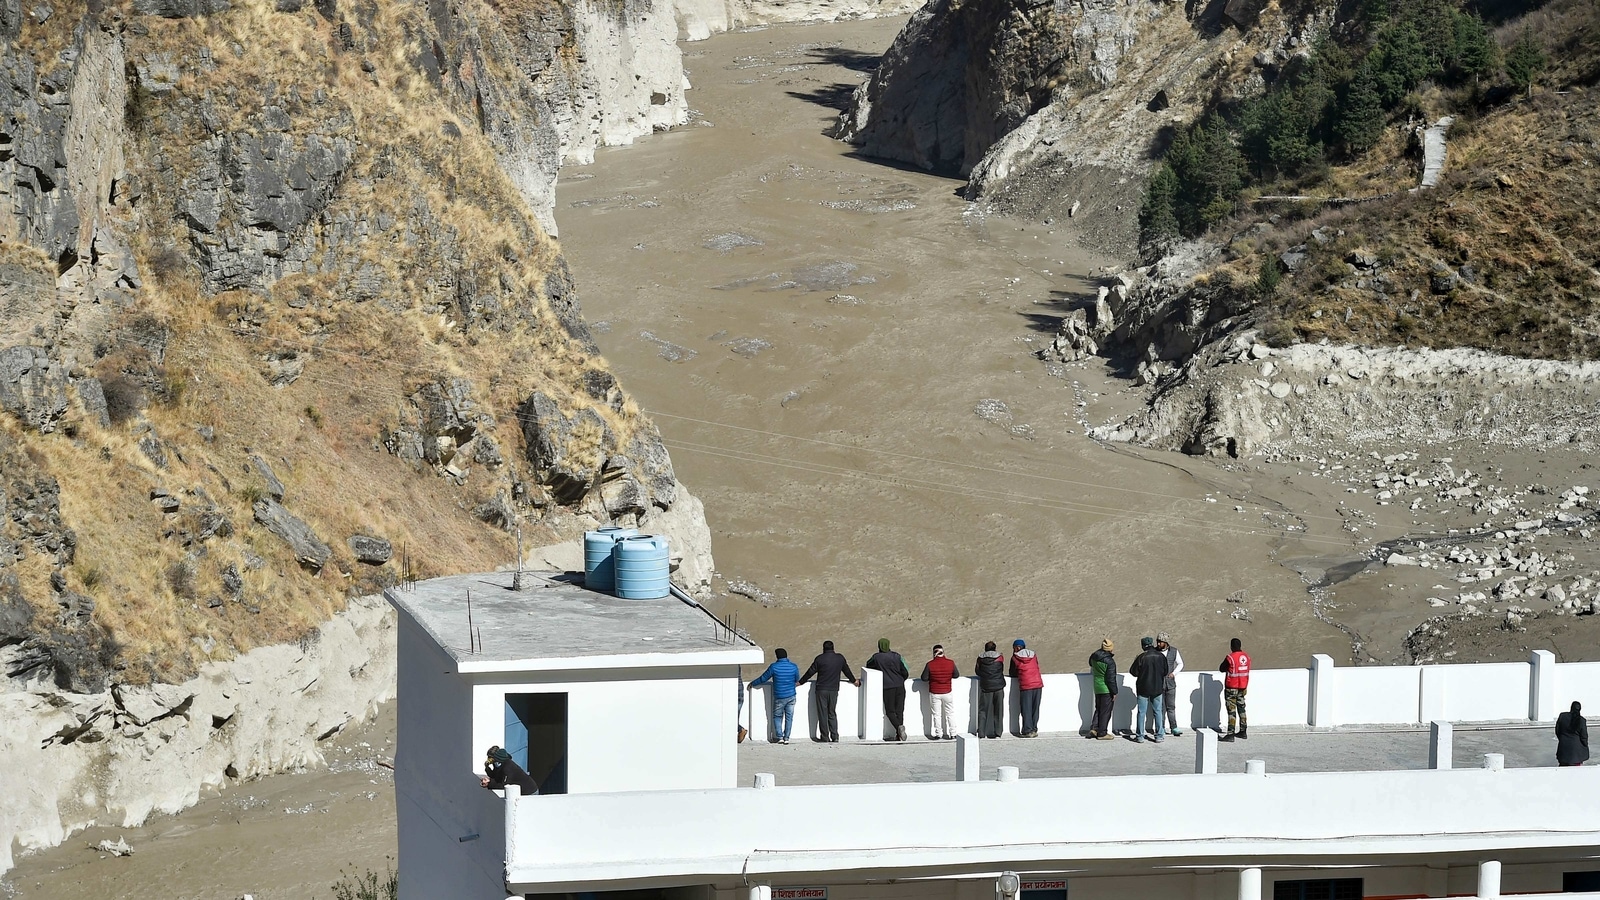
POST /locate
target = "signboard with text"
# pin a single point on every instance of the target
(800, 893)
(1055, 889)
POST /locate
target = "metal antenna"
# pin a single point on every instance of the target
(472, 644)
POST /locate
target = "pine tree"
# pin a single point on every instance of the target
(1360, 119)
(1476, 53)
(1158, 217)
(1525, 61)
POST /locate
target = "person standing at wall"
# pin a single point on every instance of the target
(782, 675)
(827, 668)
(1169, 695)
(500, 770)
(895, 672)
(1572, 737)
(1103, 670)
(991, 672)
(939, 675)
(1236, 680)
(1149, 671)
(1026, 678)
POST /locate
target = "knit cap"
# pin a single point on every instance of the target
(499, 755)
(1147, 642)
(883, 645)
(1107, 646)
(1161, 638)
(1019, 644)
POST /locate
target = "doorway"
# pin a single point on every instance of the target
(536, 737)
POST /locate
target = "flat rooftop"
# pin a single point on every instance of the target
(554, 622)
(805, 762)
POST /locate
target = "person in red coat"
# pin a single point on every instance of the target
(939, 675)
(1026, 678)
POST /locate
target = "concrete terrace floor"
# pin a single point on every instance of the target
(1067, 756)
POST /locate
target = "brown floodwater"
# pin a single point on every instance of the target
(838, 353)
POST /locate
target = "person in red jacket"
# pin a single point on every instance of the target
(1026, 678)
(1236, 680)
(938, 675)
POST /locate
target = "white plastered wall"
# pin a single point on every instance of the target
(629, 729)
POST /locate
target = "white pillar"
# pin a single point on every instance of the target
(1209, 686)
(966, 757)
(760, 892)
(513, 795)
(1205, 752)
(1441, 745)
(1494, 762)
(1249, 884)
(765, 781)
(1430, 704)
(759, 702)
(1255, 767)
(1489, 879)
(1542, 686)
(871, 705)
(1321, 705)
(1008, 773)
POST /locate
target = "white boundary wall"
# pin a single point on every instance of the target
(1320, 695)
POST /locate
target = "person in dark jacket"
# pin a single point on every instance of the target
(991, 670)
(1103, 669)
(1572, 737)
(1149, 671)
(895, 672)
(1029, 682)
(502, 770)
(827, 668)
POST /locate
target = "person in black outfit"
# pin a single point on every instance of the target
(827, 668)
(991, 671)
(503, 770)
(1572, 737)
(895, 672)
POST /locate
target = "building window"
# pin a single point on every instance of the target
(1317, 889)
(536, 737)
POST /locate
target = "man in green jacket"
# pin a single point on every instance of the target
(1103, 667)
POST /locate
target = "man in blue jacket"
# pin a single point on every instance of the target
(782, 675)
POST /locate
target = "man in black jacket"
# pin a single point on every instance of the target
(827, 668)
(991, 692)
(895, 672)
(502, 770)
(1149, 671)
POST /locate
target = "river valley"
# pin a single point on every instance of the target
(840, 356)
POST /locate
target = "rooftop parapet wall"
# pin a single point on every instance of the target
(1272, 820)
(1320, 695)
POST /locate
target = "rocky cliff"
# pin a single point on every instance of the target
(284, 323)
(699, 19)
(1060, 109)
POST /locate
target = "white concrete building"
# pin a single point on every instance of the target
(654, 805)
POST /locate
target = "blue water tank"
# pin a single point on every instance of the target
(599, 574)
(643, 568)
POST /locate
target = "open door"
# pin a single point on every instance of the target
(536, 737)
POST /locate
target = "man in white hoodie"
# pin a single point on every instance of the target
(1170, 687)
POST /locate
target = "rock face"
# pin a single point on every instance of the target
(1219, 403)
(78, 757)
(1056, 108)
(699, 19)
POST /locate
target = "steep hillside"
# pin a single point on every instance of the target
(283, 318)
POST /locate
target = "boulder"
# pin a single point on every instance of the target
(269, 478)
(308, 549)
(374, 551)
(567, 453)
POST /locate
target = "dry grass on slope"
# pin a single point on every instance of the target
(172, 601)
